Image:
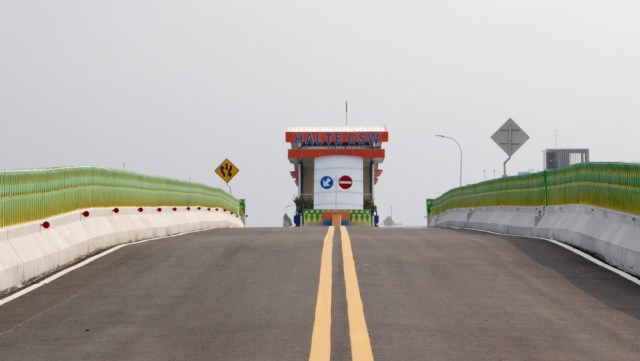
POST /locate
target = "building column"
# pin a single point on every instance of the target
(300, 181)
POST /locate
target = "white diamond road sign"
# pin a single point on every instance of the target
(510, 137)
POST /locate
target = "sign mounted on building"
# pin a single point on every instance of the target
(326, 182)
(227, 170)
(324, 139)
(510, 137)
(333, 174)
(304, 137)
(345, 182)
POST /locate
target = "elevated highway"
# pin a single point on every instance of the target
(253, 294)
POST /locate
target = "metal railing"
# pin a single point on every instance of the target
(28, 195)
(614, 186)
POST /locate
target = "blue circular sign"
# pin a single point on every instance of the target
(326, 182)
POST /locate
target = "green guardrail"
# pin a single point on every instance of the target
(613, 186)
(28, 195)
(243, 207)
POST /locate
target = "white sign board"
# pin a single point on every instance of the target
(329, 192)
(510, 137)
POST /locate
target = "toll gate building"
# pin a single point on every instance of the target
(336, 170)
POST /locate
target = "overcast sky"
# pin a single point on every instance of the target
(172, 88)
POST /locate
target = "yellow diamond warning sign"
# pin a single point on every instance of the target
(226, 170)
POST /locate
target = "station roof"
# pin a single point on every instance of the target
(344, 129)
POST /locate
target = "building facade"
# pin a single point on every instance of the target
(336, 170)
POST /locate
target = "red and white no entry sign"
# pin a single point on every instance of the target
(345, 182)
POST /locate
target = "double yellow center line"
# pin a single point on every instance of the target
(321, 338)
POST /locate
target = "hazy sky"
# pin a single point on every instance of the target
(172, 88)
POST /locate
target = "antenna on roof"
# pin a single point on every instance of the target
(346, 113)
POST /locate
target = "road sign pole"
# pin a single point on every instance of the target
(510, 139)
(504, 165)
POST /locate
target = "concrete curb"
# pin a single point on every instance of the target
(609, 235)
(29, 251)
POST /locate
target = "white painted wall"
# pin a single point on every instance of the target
(336, 197)
(28, 251)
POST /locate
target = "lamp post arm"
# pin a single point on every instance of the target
(460, 148)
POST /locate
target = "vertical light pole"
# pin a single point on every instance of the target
(459, 147)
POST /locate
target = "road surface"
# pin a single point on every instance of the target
(254, 294)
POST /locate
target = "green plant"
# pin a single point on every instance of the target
(302, 203)
(368, 203)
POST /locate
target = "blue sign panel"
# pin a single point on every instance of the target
(326, 182)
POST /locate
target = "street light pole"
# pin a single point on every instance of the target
(285, 213)
(459, 147)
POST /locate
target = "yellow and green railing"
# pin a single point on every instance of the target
(360, 217)
(614, 186)
(357, 217)
(29, 195)
(312, 216)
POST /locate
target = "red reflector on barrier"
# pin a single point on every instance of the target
(140, 209)
(159, 209)
(188, 208)
(85, 214)
(175, 209)
(116, 210)
(199, 208)
(45, 224)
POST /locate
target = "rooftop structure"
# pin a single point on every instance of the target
(559, 158)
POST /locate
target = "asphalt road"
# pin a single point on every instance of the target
(251, 294)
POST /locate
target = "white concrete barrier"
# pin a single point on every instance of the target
(612, 236)
(29, 250)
